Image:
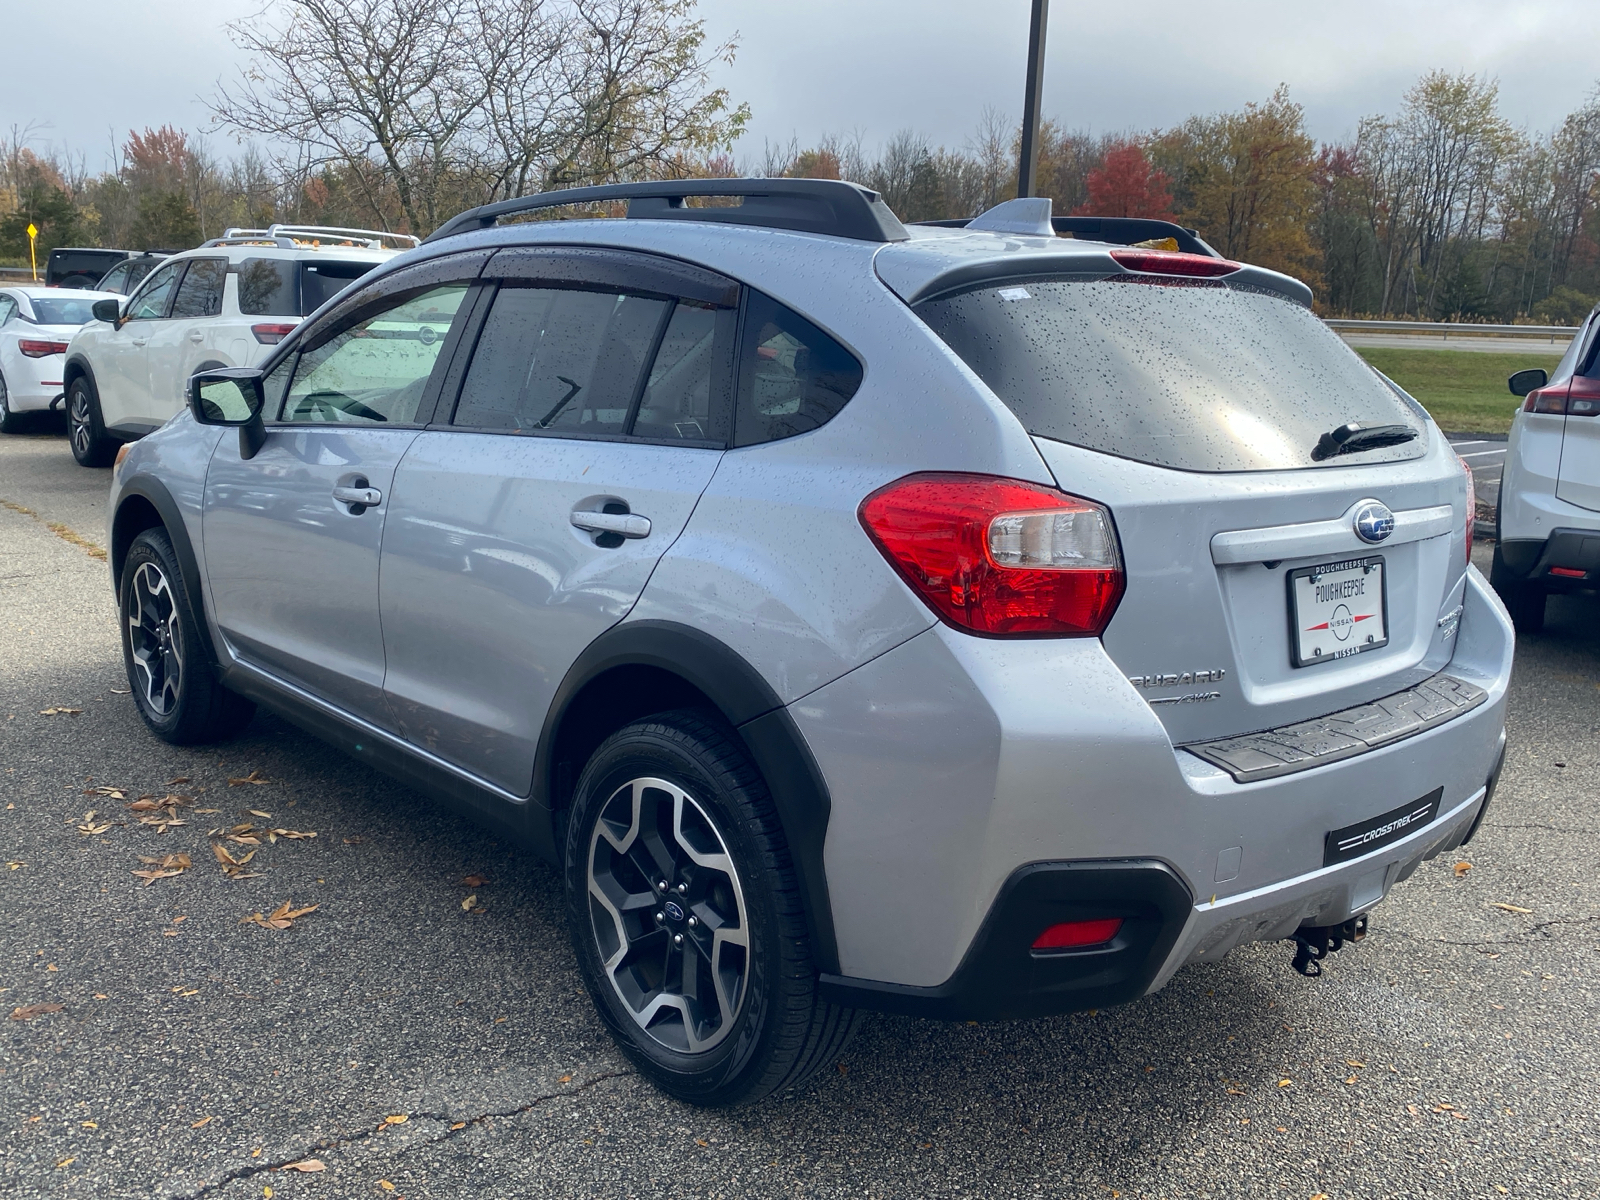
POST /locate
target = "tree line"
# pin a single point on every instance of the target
(397, 114)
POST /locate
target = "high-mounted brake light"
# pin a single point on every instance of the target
(999, 556)
(37, 349)
(271, 335)
(1077, 935)
(1167, 262)
(1472, 505)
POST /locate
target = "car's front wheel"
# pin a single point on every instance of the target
(687, 919)
(91, 446)
(169, 669)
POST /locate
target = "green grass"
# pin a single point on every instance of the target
(1464, 390)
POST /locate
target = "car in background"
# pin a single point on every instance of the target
(224, 304)
(123, 278)
(36, 323)
(975, 623)
(1547, 536)
(81, 266)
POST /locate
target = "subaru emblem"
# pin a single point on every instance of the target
(1373, 521)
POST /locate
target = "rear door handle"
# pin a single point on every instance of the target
(366, 497)
(629, 525)
(196, 336)
(139, 341)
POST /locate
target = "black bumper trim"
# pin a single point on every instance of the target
(1575, 549)
(1344, 734)
(1001, 977)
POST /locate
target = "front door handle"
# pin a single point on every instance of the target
(196, 336)
(362, 497)
(138, 341)
(629, 525)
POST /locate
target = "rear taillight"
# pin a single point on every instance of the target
(1165, 262)
(1078, 935)
(1472, 505)
(271, 335)
(1542, 400)
(1583, 397)
(36, 349)
(1000, 556)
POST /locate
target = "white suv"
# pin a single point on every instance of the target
(224, 304)
(1548, 524)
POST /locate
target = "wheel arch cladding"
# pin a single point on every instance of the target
(77, 367)
(147, 504)
(643, 667)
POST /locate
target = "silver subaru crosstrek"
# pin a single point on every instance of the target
(974, 622)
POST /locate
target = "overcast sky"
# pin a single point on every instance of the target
(809, 67)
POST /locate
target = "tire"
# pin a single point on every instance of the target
(170, 669)
(674, 796)
(10, 422)
(86, 432)
(1524, 599)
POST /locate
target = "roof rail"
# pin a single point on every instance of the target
(294, 237)
(808, 205)
(1120, 231)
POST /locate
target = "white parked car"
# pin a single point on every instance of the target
(36, 323)
(225, 304)
(1548, 525)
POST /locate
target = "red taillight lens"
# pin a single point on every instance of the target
(271, 335)
(1000, 556)
(1168, 262)
(1547, 400)
(1075, 935)
(35, 349)
(1583, 397)
(1472, 505)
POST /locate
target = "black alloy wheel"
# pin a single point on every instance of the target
(686, 916)
(170, 670)
(87, 434)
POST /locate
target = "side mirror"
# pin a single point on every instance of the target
(107, 310)
(1527, 381)
(231, 396)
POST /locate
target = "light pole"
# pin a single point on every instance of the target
(1030, 101)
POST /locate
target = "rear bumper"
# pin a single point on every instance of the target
(35, 384)
(1553, 561)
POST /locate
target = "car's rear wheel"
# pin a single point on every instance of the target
(10, 422)
(91, 446)
(1525, 599)
(686, 916)
(170, 669)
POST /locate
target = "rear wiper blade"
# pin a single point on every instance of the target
(1354, 438)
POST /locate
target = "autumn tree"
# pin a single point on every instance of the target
(1125, 184)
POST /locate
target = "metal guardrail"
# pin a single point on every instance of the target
(19, 275)
(1449, 329)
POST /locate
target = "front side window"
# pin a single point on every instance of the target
(377, 370)
(151, 302)
(792, 376)
(560, 359)
(200, 293)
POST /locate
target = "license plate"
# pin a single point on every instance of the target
(1341, 845)
(1336, 610)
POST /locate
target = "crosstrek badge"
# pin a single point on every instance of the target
(1337, 610)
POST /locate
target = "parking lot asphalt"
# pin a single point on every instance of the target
(394, 1044)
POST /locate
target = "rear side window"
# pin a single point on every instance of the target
(1195, 376)
(200, 293)
(792, 376)
(282, 287)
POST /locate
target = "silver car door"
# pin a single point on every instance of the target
(532, 524)
(292, 534)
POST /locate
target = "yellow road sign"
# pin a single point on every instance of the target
(33, 232)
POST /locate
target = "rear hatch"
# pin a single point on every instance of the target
(1194, 409)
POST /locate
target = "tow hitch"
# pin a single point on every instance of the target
(1317, 942)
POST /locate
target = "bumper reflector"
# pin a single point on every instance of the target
(1074, 935)
(1568, 572)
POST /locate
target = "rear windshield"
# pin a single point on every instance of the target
(66, 262)
(63, 311)
(1197, 376)
(283, 287)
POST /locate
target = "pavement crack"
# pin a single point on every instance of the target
(1537, 929)
(250, 1170)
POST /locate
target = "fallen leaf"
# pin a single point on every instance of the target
(294, 835)
(386, 1185)
(1461, 868)
(565, 1079)
(89, 829)
(16, 864)
(65, 1162)
(1285, 1082)
(150, 877)
(458, 1125)
(281, 917)
(177, 781)
(256, 812)
(60, 712)
(116, 691)
(1509, 907)
(466, 905)
(397, 1119)
(353, 841)
(88, 1125)
(701, 1142)
(475, 881)
(169, 862)
(267, 1191)
(1351, 1062)
(307, 1165)
(1352, 1079)
(51, 967)
(201, 1123)
(1444, 1108)
(256, 1153)
(254, 777)
(29, 1012)
(109, 792)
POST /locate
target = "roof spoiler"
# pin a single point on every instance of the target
(1119, 231)
(829, 206)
